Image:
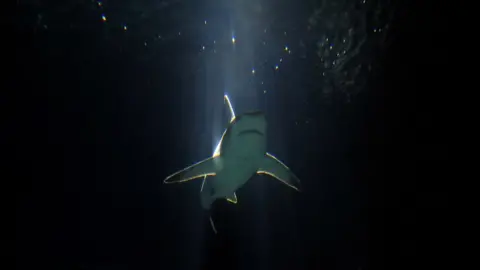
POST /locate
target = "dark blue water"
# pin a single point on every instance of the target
(110, 97)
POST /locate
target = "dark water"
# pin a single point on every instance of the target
(110, 97)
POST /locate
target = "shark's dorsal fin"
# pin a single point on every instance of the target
(230, 108)
(270, 165)
(232, 118)
(232, 198)
(206, 167)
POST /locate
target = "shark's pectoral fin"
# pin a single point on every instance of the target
(272, 166)
(201, 169)
(232, 198)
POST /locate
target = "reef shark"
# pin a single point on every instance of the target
(240, 154)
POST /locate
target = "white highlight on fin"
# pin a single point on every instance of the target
(216, 153)
(276, 159)
(276, 176)
(195, 177)
(233, 200)
(217, 149)
(189, 173)
(230, 107)
(190, 178)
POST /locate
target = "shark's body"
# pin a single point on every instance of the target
(240, 154)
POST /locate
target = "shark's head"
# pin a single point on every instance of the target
(250, 122)
(246, 135)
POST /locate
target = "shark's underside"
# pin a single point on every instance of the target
(240, 154)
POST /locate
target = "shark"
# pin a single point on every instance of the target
(240, 154)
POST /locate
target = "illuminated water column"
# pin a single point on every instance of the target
(244, 25)
(239, 61)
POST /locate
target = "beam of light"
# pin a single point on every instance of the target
(216, 153)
